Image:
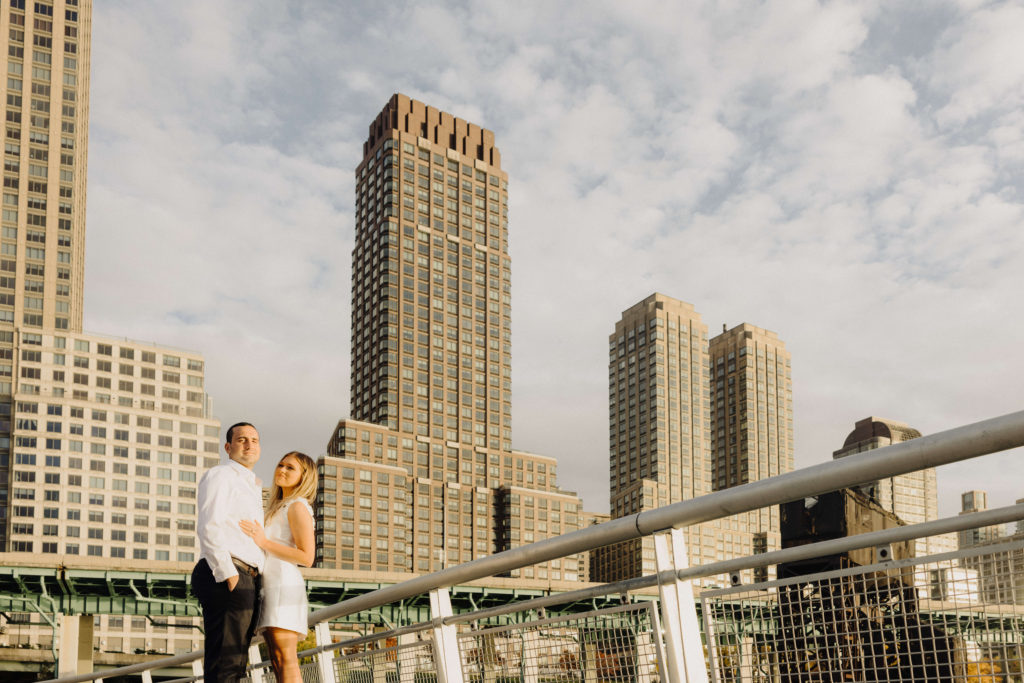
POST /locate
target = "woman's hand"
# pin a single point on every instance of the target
(254, 531)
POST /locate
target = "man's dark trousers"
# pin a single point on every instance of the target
(229, 620)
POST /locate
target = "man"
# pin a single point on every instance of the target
(226, 579)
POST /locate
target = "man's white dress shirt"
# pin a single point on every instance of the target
(228, 494)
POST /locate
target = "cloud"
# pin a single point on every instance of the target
(979, 66)
(846, 174)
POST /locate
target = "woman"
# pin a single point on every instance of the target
(288, 542)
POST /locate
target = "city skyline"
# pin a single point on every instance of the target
(852, 231)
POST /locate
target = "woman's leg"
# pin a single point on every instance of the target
(282, 644)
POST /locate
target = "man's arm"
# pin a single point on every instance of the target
(214, 511)
(300, 522)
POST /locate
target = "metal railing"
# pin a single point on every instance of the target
(436, 652)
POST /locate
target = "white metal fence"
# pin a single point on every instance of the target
(957, 616)
(953, 617)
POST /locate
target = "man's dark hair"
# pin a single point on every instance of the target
(238, 424)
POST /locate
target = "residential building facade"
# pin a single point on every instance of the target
(42, 233)
(102, 439)
(666, 412)
(431, 361)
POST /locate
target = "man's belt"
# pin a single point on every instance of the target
(245, 567)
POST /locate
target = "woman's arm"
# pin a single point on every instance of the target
(301, 524)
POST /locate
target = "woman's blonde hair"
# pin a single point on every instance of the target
(306, 488)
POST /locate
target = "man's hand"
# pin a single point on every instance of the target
(232, 582)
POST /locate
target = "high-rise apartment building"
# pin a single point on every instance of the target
(752, 406)
(102, 439)
(42, 234)
(46, 115)
(751, 418)
(912, 497)
(976, 501)
(109, 440)
(996, 570)
(666, 412)
(431, 364)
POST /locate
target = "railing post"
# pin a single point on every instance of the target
(324, 659)
(684, 650)
(255, 659)
(446, 644)
(197, 668)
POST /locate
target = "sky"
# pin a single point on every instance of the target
(849, 175)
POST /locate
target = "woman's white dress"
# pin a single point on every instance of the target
(284, 589)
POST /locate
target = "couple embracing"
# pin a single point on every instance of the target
(247, 578)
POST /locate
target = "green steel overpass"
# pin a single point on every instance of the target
(49, 585)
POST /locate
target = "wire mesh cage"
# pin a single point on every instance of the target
(952, 617)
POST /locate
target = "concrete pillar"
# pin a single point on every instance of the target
(489, 664)
(379, 666)
(75, 646)
(646, 660)
(531, 656)
(588, 660)
(746, 663)
(407, 667)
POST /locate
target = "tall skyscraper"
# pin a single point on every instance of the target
(431, 280)
(42, 238)
(751, 416)
(997, 571)
(46, 113)
(658, 403)
(976, 501)
(912, 497)
(431, 364)
(752, 406)
(676, 431)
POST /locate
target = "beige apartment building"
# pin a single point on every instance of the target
(102, 439)
(678, 430)
(977, 501)
(996, 571)
(431, 410)
(752, 406)
(42, 233)
(109, 438)
(912, 497)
